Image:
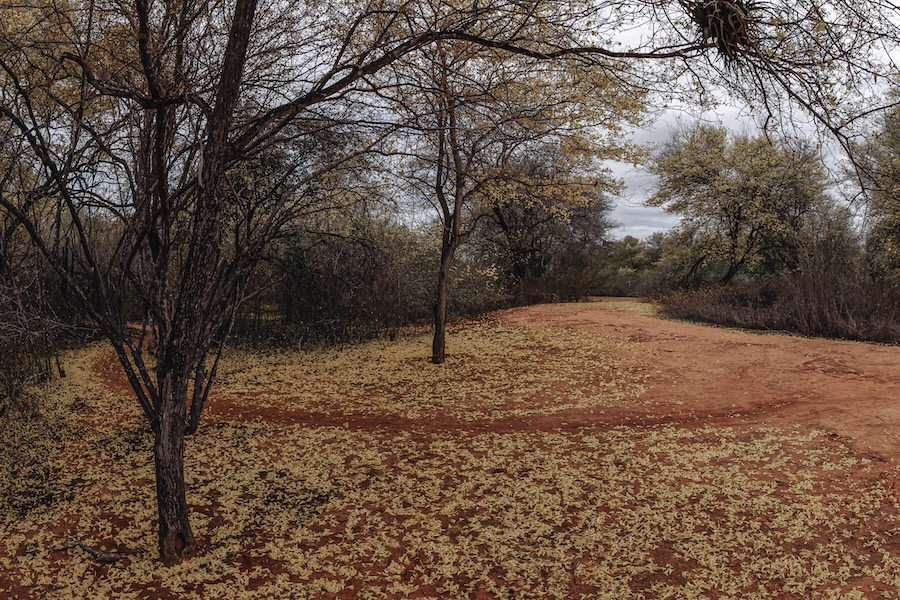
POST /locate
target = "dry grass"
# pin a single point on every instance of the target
(602, 512)
(800, 306)
(636, 305)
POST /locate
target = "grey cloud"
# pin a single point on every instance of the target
(633, 217)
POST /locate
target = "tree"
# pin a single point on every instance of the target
(629, 265)
(882, 180)
(131, 115)
(132, 134)
(546, 213)
(742, 200)
(489, 131)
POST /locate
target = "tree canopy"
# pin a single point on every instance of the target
(481, 131)
(742, 200)
(882, 178)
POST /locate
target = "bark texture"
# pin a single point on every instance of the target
(441, 297)
(176, 539)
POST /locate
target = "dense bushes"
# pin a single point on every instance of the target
(832, 291)
(28, 341)
(367, 280)
(831, 294)
(798, 305)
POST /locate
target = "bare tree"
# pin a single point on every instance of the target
(28, 329)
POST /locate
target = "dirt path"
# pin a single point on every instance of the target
(693, 374)
(716, 375)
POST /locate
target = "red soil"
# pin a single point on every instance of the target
(695, 376)
(733, 377)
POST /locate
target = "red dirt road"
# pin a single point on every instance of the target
(432, 497)
(719, 375)
(694, 374)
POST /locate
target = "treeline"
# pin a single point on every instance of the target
(372, 274)
(762, 244)
(339, 273)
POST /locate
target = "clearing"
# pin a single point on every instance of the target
(563, 451)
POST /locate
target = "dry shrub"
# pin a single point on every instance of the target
(27, 344)
(802, 303)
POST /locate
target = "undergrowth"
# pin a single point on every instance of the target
(798, 305)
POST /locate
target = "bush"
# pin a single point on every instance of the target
(366, 283)
(800, 304)
(27, 344)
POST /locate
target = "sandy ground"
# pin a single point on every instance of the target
(693, 374)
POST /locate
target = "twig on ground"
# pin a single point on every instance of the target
(102, 557)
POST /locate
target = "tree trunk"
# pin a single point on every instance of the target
(729, 274)
(438, 345)
(176, 540)
(198, 399)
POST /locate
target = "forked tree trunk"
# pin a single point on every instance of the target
(198, 292)
(730, 273)
(176, 540)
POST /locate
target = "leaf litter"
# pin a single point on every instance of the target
(306, 511)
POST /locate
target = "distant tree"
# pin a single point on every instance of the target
(882, 180)
(506, 137)
(349, 274)
(627, 265)
(742, 200)
(546, 214)
(630, 253)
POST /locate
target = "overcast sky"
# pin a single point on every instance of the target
(629, 212)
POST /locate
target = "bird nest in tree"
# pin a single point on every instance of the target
(725, 22)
